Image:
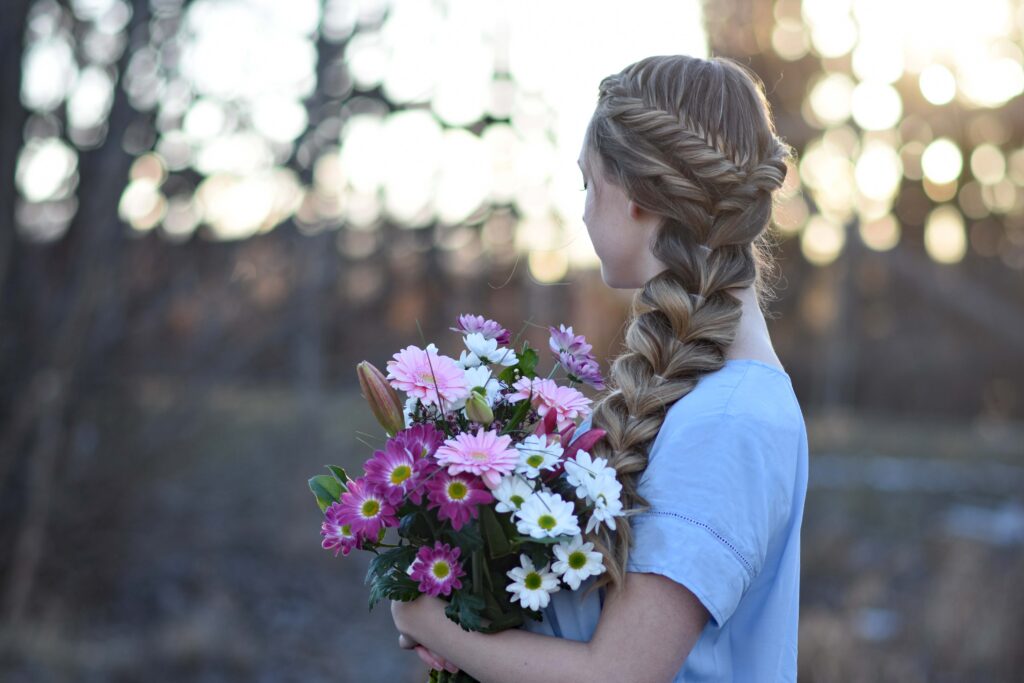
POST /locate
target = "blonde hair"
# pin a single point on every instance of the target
(692, 141)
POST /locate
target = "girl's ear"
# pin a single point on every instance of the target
(638, 213)
(635, 212)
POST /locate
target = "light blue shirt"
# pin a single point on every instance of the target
(726, 480)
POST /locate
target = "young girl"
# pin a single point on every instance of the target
(680, 162)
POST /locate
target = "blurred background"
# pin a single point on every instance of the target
(211, 210)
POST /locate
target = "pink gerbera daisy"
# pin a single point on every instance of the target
(457, 497)
(365, 509)
(396, 474)
(437, 569)
(485, 454)
(430, 377)
(338, 536)
(568, 403)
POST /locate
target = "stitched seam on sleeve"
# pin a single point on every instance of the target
(721, 539)
(728, 402)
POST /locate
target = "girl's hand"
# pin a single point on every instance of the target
(434, 661)
(410, 618)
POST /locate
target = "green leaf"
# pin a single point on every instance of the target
(414, 527)
(326, 489)
(464, 609)
(498, 544)
(468, 537)
(340, 475)
(522, 408)
(539, 555)
(393, 584)
(541, 541)
(528, 361)
(400, 586)
(394, 558)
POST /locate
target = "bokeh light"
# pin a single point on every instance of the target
(944, 235)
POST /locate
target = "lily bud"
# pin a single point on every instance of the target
(382, 397)
(477, 409)
(583, 442)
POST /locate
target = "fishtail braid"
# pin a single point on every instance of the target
(692, 141)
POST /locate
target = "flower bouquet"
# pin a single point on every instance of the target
(480, 477)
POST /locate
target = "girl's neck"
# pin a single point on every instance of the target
(752, 338)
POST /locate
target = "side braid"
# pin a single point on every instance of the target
(692, 141)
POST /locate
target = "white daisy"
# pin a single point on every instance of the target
(583, 472)
(480, 376)
(487, 350)
(546, 515)
(511, 493)
(432, 411)
(468, 360)
(576, 561)
(535, 454)
(477, 375)
(605, 510)
(532, 587)
(410, 405)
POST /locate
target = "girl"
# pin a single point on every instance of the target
(680, 162)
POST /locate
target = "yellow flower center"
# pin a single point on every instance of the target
(370, 508)
(532, 581)
(480, 456)
(441, 569)
(346, 529)
(517, 501)
(400, 474)
(535, 460)
(547, 522)
(457, 490)
(577, 560)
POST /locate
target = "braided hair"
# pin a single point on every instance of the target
(692, 141)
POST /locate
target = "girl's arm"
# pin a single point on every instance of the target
(644, 634)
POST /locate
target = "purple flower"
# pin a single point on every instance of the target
(365, 509)
(395, 474)
(421, 440)
(437, 569)
(337, 535)
(582, 369)
(457, 496)
(563, 339)
(488, 328)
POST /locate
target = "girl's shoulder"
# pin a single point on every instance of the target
(742, 390)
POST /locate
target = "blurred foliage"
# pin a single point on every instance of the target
(210, 210)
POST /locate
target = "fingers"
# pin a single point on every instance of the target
(428, 659)
(405, 642)
(434, 661)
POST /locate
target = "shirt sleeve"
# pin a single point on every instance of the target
(719, 488)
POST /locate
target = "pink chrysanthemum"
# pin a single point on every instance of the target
(568, 403)
(337, 535)
(488, 328)
(437, 569)
(485, 454)
(365, 510)
(582, 369)
(563, 339)
(422, 440)
(428, 376)
(396, 474)
(457, 497)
